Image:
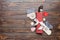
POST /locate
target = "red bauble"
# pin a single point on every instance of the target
(45, 14)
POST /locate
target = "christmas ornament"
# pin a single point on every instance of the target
(40, 25)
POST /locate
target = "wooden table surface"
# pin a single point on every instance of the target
(14, 24)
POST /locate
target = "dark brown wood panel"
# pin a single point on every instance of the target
(54, 6)
(18, 6)
(52, 0)
(22, 0)
(29, 0)
(13, 6)
(14, 24)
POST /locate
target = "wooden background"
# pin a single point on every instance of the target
(14, 25)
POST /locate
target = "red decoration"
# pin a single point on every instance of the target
(39, 17)
(45, 14)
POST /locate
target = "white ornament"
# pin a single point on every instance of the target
(33, 29)
(31, 15)
(32, 23)
(44, 19)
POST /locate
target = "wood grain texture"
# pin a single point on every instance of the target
(22, 0)
(14, 24)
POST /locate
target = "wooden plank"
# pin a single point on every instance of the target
(12, 35)
(52, 6)
(18, 6)
(36, 38)
(15, 30)
(24, 6)
(53, 13)
(58, 27)
(22, 0)
(16, 17)
(12, 13)
(33, 37)
(3, 37)
(30, 0)
(23, 13)
(16, 14)
(52, 0)
(10, 39)
(13, 23)
(57, 31)
(0, 7)
(28, 23)
(26, 31)
(58, 37)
